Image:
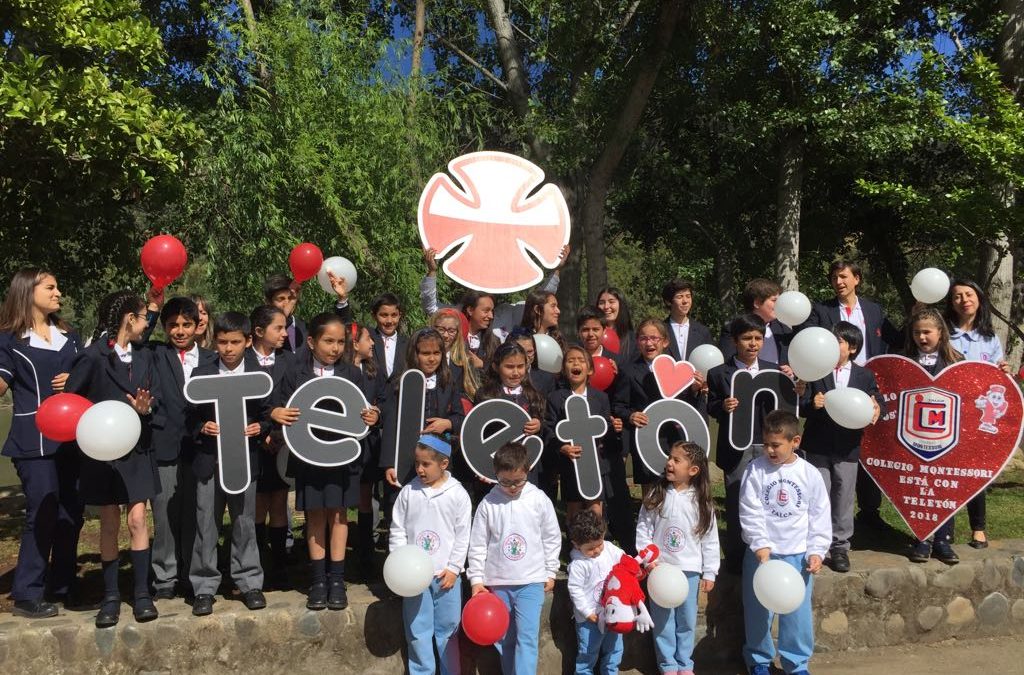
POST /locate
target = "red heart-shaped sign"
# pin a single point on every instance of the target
(943, 439)
(672, 376)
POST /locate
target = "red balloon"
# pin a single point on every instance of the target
(610, 340)
(305, 261)
(604, 373)
(57, 417)
(163, 260)
(1020, 373)
(485, 619)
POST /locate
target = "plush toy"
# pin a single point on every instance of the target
(622, 602)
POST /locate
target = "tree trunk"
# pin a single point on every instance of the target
(417, 38)
(725, 281)
(250, 24)
(1015, 348)
(630, 112)
(997, 280)
(571, 295)
(789, 193)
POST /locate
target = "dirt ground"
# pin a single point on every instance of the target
(987, 655)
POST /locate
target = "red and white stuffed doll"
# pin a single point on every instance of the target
(622, 602)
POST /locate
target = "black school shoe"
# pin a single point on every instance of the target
(34, 609)
(839, 561)
(317, 599)
(202, 605)
(164, 593)
(943, 552)
(337, 597)
(144, 610)
(110, 611)
(921, 552)
(254, 599)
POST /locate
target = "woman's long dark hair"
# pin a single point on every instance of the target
(982, 320)
(16, 311)
(354, 331)
(624, 320)
(701, 484)
(491, 387)
(488, 340)
(112, 310)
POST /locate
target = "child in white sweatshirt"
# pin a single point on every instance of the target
(591, 560)
(785, 515)
(433, 512)
(678, 516)
(513, 552)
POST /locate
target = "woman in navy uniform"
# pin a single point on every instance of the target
(36, 351)
(110, 369)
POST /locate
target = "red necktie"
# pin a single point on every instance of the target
(849, 312)
(181, 353)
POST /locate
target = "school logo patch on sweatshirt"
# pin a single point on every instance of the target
(782, 498)
(429, 541)
(514, 547)
(673, 539)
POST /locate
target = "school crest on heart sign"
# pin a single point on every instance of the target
(943, 439)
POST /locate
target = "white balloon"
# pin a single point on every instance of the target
(706, 357)
(668, 586)
(108, 430)
(930, 285)
(281, 461)
(340, 267)
(813, 353)
(849, 407)
(792, 308)
(408, 571)
(548, 356)
(779, 587)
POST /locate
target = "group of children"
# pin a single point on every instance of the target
(778, 504)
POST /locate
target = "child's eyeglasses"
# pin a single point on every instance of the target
(447, 331)
(649, 338)
(511, 483)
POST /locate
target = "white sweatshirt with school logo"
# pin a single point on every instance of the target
(671, 529)
(785, 507)
(436, 519)
(514, 541)
(587, 577)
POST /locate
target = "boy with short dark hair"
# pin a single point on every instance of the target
(232, 337)
(685, 333)
(174, 506)
(590, 562)
(281, 291)
(513, 552)
(835, 450)
(388, 346)
(784, 511)
(758, 297)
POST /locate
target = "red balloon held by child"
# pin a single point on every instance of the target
(57, 416)
(163, 260)
(305, 261)
(485, 619)
(604, 373)
(610, 340)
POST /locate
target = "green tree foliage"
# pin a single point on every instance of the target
(81, 137)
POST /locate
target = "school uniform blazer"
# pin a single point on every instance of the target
(28, 372)
(440, 402)
(173, 438)
(782, 333)
(719, 389)
(600, 405)
(300, 334)
(401, 346)
(98, 374)
(699, 335)
(543, 381)
(635, 389)
(882, 337)
(822, 435)
(204, 461)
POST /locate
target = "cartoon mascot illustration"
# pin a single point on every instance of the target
(622, 602)
(993, 405)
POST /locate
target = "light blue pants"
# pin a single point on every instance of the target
(674, 629)
(518, 648)
(593, 645)
(796, 629)
(432, 618)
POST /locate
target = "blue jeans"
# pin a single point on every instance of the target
(796, 629)
(432, 618)
(674, 629)
(518, 648)
(593, 644)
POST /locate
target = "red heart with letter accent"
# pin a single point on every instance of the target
(942, 439)
(672, 376)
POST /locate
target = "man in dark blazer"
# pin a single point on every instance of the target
(758, 297)
(880, 337)
(175, 506)
(684, 334)
(281, 291)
